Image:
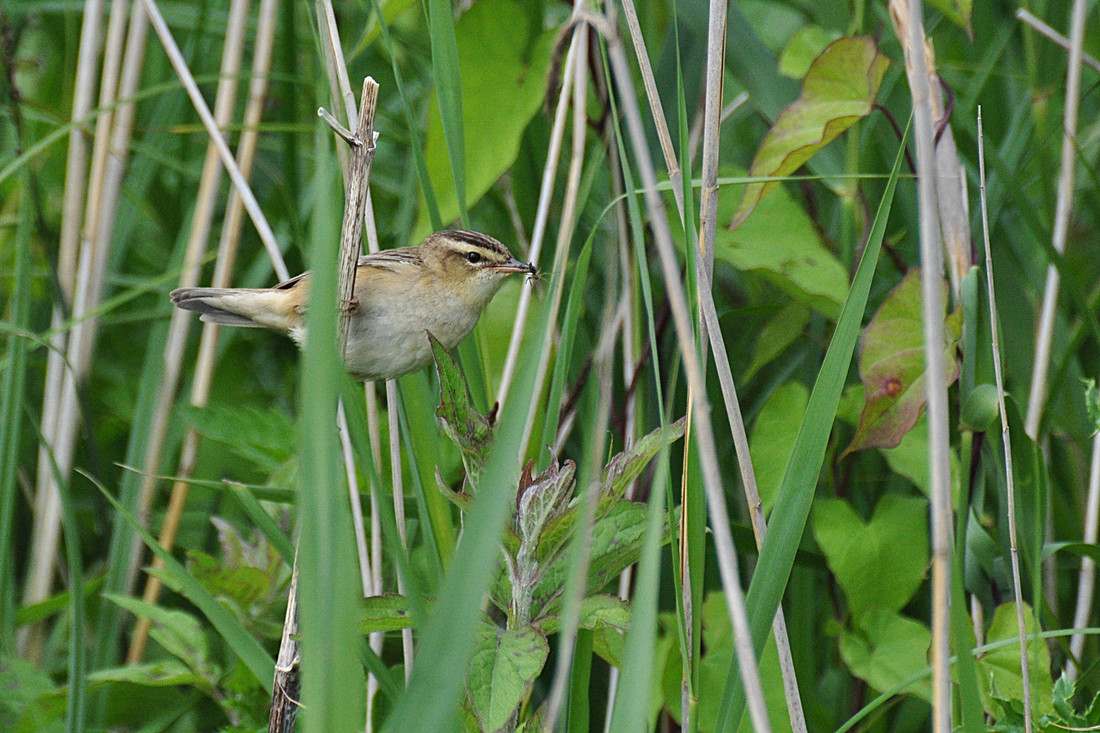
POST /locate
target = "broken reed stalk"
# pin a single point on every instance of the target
(284, 697)
(287, 681)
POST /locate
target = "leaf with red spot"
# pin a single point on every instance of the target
(891, 366)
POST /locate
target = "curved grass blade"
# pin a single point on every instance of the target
(252, 655)
(792, 507)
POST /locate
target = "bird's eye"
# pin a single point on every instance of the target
(473, 257)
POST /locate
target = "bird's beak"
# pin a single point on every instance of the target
(514, 265)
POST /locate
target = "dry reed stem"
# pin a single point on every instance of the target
(712, 119)
(568, 218)
(723, 540)
(370, 564)
(68, 249)
(1044, 337)
(936, 381)
(571, 605)
(188, 81)
(110, 152)
(1009, 474)
(201, 220)
(1086, 579)
(542, 215)
(1049, 33)
(708, 212)
(286, 691)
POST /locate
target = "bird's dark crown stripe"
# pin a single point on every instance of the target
(478, 240)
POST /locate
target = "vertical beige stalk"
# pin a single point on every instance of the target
(68, 253)
(716, 501)
(1010, 482)
(1040, 366)
(542, 215)
(201, 220)
(935, 369)
(110, 151)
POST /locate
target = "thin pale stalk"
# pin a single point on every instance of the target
(571, 606)
(649, 83)
(708, 213)
(76, 161)
(377, 638)
(369, 562)
(267, 237)
(366, 573)
(399, 512)
(713, 116)
(68, 250)
(1009, 474)
(1044, 337)
(935, 375)
(109, 158)
(723, 540)
(1086, 579)
(1049, 33)
(630, 358)
(542, 215)
(567, 219)
(332, 45)
(201, 221)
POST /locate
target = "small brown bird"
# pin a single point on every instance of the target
(440, 287)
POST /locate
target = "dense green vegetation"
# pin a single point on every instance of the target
(532, 467)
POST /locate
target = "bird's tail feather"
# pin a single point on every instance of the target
(253, 308)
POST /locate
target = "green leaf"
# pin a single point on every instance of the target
(22, 682)
(781, 243)
(165, 673)
(999, 670)
(616, 544)
(503, 62)
(894, 545)
(389, 612)
(179, 633)
(887, 648)
(779, 332)
(772, 440)
(839, 89)
(595, 611)
(468, 429)
(910, 458)
(959, 12)
(621, 470)
(1092, 404)
(891, 365)
(266, 437)
(792, 507)
(238, 639)
(503, 668)
(804, 46)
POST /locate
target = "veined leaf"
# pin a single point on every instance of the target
(891, 365)
(839, 90)
(503, 70)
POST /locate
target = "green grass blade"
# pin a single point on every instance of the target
(252, 655)
(12, 379)
(264, 521)
(447, 640)
(448, 89)
(415, 142)
(796, 493)
(333, 683)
